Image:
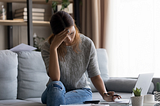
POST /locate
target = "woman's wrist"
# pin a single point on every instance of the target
(105, 94)
(53, 49)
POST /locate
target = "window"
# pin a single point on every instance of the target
(133, 39)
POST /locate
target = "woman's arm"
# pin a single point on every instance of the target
(99, 85)
(54, 70)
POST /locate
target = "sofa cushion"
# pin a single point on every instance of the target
(103, 63)
(8, 74)
(103, 66)
(123, 85)
(120, 85)
(32, 77)
(20, 103)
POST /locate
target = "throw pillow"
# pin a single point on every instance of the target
(32, 76)
(8, 75)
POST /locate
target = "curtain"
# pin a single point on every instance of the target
(94, 21)
(129, 30)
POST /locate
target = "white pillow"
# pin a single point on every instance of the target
(8, 74)
(32, 76)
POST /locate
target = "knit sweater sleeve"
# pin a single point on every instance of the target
(45, 54)
(93, 68)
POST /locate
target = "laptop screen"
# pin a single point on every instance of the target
(144, 82)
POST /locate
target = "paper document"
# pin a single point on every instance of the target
(122, 101)
(22, 47)
(86, 105)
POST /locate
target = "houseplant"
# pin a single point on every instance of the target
(38, 41)
(157, 92)
(64, 4)
(137, 99)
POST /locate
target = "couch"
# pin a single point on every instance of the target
(23, 78)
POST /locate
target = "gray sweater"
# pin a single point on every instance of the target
(73, 70)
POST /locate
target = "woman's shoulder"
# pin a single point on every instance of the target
(85, 38)
(86, 42)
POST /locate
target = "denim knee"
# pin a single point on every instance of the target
(55, 89)
(56, 84)
(55, 93)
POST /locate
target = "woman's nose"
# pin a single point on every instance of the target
(68, 38)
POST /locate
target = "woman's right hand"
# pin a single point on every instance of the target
(58, 39)
(110, 96)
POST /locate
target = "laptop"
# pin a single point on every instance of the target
(143, 82)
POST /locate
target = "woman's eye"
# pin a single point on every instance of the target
(71, 34)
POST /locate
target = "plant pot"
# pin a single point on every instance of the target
(137, 100)
(157, 96)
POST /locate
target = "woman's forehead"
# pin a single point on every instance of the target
(71, 29)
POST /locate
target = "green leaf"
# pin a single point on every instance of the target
(80, 2)
(65, 0)
(158, 87)
(65, 4)
(47, 1)
(137, 92)
(54, 5)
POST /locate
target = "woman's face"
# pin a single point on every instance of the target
(70, 36)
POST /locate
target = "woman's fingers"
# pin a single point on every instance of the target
(62, 33)
(111, 96)
(114, 96)
(59, 38)
(111, 93)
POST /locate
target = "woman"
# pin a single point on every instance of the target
(67, 56)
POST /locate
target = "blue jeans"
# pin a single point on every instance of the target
(56, 95)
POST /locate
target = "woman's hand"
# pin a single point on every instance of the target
(110, 96)
(58, 39)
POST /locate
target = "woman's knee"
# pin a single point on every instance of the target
(55, 93)
(54, 89)
(56, 84)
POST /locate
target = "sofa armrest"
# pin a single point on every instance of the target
(123, 85)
